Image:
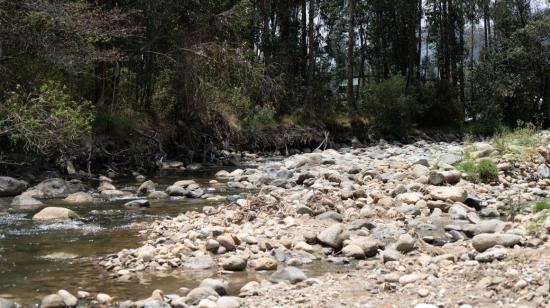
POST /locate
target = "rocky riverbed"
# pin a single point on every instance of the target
(404, 225)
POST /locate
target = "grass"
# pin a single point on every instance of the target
(484, 171)
(541, 206)
(523, 139)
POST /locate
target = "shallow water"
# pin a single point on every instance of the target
(38, 258)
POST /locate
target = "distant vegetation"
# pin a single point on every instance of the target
(125, 83)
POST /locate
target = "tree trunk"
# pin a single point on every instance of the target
(304, 39)
(311, 55)
(351, 46)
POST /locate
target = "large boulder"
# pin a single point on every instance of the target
(457, 194)
(4, 303)
(370, 246)
(203, 262)
(52, 301)
(219, 286)
(79, 198)
(234, 263)
(200, 293)
(483, 242)
(147, 188)
(54, 213)
(288, 274)
(11, 187)
(25, 203)
(333, 236)
(54, 188)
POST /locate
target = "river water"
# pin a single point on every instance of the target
(39, 258)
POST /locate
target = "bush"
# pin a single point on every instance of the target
(523, 138)
(388, 106)
(487, 171)
(484, 171)
(48, 121)
(541, 206)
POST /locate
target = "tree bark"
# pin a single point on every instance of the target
(351, 46)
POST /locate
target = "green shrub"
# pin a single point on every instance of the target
(467, 167)
(388, 106)
(485, 128)
(523, 138)
(484, 171)
(487, 171)
(47, 121)
(541, 206)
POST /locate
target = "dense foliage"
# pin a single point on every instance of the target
(150, 79)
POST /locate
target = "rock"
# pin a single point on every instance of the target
(196, 193)
(330, 215)
(83, 294)
(10, 187)
(436, 178)
(104, 299)
(234, 263)
(492, 254)
(79, 198)
(288, 274)
(135, 204)
(55, 213)
(483, 242)
(405, 243)
(458, 212)
(333, 236)
(353, 251)
(52, 301)
(219, 286)
(146, 187)
(115, 193)
(411, 278)
(105, 186)
(55, 188)
(457, 194)
(69, 299)
(176, 191)
(157, 195)
(489, 212)
(484, 226)
(410, 198)
(26, 203)
(419, 170)
(172, 165)
(227, 242)
(200, 293)
(203, 262)
(449, 159)
(249, 287)
(389, 255)
(543, 171)
(409, 209)
(4, 303)
(140, 178)
(370, 247)
(212, 245)
(146, 253)
(265, 264)
(452, 177)
(228, 302)
(194, 167)
(302, 209)
(360, 224)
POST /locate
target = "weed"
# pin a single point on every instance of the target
(541, 206)
(485, 170)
